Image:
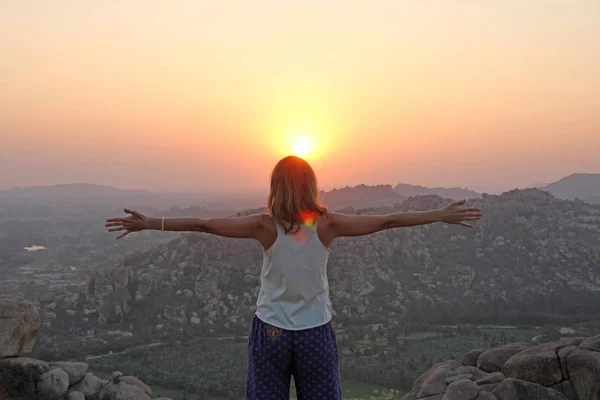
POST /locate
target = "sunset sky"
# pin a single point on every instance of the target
(188, 95)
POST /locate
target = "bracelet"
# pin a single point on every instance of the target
(163, 224)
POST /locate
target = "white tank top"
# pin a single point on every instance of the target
(294, 290)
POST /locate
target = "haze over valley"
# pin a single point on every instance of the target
(183, 109)
(531, 266)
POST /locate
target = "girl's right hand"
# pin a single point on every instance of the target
(135, 222)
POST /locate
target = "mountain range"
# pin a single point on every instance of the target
(585, 187)
(71, 190)
(532, 259)
(408, 190)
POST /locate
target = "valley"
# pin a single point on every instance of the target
(174, 309)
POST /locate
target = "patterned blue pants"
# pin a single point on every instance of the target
(310, 355)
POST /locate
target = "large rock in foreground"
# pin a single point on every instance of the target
(75, 370)
(584, 373)
(514, 389)
(568, 369)
(492, 360)
(19, 377)
(90, 385)
(23, 378)
(539, 364)
(30, 379)
(53, 384)
(18, 330)
(122, 391)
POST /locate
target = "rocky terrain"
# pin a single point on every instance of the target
(561, 370)
(408, 190)
(39, 256)
(567, 369)
(361, 196)
(25, 378)
(533, 259)
(65, 221)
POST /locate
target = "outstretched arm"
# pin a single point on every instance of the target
(358, 225)
(249, 227)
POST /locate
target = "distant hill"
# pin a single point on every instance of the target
(361, 196)
(583, 186)
(71, 190)
(408, 190)
(349, 199)
(78, 194)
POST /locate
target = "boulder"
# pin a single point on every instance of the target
(20, 324)
(494, 377)
(592, 344)
(425, 375)
(19, 376)
(76, 370)
(584, 373)
(563, 355)
(493, 360)
(90, 385)
(475, 373)
(539, 365)
(122, 391)
(486, 396)
(132, 380)
(76, 396)
(464, 389)
(566, 388)
(489, 387)
(470, 359)
(53, 384)
(515, 389)
(432, 382)
(25, 362)
(558, 370)
(458, 378)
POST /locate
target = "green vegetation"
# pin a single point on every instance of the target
(371, 367)
(397, 366)
(202, 366)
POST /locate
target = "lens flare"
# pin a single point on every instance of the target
(308, 218)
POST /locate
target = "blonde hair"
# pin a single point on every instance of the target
(294, 195)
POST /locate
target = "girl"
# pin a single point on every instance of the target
(292, 333)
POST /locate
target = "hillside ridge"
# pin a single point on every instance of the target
(529, 253)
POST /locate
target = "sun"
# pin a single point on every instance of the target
(302, 146)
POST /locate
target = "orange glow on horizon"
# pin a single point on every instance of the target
(428, 93)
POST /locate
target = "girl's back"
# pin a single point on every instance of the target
(294, 291)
